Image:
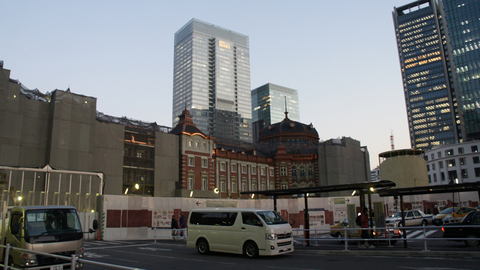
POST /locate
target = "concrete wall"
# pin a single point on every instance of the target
(342, 161)
(405, 171)
(166, 164)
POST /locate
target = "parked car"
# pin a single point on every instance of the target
(338, 231)
(412, 218)
(452, 215)
(470, 231)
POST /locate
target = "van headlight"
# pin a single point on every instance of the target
(271, 236)
(28, 259)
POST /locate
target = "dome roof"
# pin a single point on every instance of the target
(288, 129)
(186, 126)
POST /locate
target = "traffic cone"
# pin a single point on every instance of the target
(98, 235)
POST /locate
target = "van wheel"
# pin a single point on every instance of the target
(471, 243)
(250, 249)
(202, 246)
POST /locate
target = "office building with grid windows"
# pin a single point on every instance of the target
(438, 47)
(212, 81)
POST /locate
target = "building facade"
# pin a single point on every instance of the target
(64, 130)
(438, 44)
(212, 81)
(456, 163)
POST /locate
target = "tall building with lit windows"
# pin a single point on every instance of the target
(438, 46)
(268, 106)
(212, 81)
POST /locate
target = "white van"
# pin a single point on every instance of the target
(252, 232)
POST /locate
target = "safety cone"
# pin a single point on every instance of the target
(98, 235)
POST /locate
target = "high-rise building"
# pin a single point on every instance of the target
(463, 25)
(440, 63)
(212, 81)
(269, 103)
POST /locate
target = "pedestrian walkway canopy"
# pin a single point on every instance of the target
(464, 187)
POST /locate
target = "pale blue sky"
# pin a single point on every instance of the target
(340, 55)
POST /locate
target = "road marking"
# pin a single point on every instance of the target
(139, 245)
(154, 249)
(426, 234)
(94, 255)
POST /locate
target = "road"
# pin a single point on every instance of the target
(167, 254)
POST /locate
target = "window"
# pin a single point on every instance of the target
(310, 172)
(204, 163)
(433, 166)
(439, 154)
(477, 172)
(204, 145)
(271, 171)
(429, 179)
(191, 181)
(452, 176)
(204, 182)
(254, 185)
(251, 219)
(460, 150)
(234, 167)
(223, 187)
(464, 174)
(428, 168)
(449, 152)
(191, 161)
(442, 176)
(197, 144)
(244, 168)
(435, 177)
(474, 149)
(272, 185)
(476, 160)
(262, 171)
(440, 164)
(222, 166)
(234, 186)
(139, 154)
(451, 163)
(254, 169)
(463, 161)
(213, 218)
(284, 185)
(294, 173)
(302, 172)
(431, 156)
(244, 185)
(283, 170)
(263, 185)
(190, 143)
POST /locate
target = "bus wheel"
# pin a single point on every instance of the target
(250, 249)
(202, 246)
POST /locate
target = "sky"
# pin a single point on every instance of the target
(341, 56)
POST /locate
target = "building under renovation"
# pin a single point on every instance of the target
(65, 131)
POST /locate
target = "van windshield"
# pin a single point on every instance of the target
(271, 217)
(47, 225)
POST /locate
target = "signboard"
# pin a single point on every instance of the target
(162, 218)
(316, 217)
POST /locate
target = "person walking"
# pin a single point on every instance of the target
(365, 233)
(183, 225)
(174, 227)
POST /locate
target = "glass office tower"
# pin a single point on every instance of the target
(463, 25)
(268, 104)
(429, 90)
(212, 81)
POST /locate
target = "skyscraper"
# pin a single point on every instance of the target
(212, 81)
(430, 95)
(268, 104)
(463, 40)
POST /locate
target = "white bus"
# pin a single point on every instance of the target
(251, 232)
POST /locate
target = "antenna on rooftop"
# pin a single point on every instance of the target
(392, 144)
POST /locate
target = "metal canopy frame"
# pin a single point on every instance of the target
(363, 188)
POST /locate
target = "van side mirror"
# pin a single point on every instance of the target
(95, 224)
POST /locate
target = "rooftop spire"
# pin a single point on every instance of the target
(286, 112)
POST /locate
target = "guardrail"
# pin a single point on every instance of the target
(69, 261)
(167, 233)
(386, 232)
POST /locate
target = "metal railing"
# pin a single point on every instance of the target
(167, 233)
(69, 261)
(350, 235)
